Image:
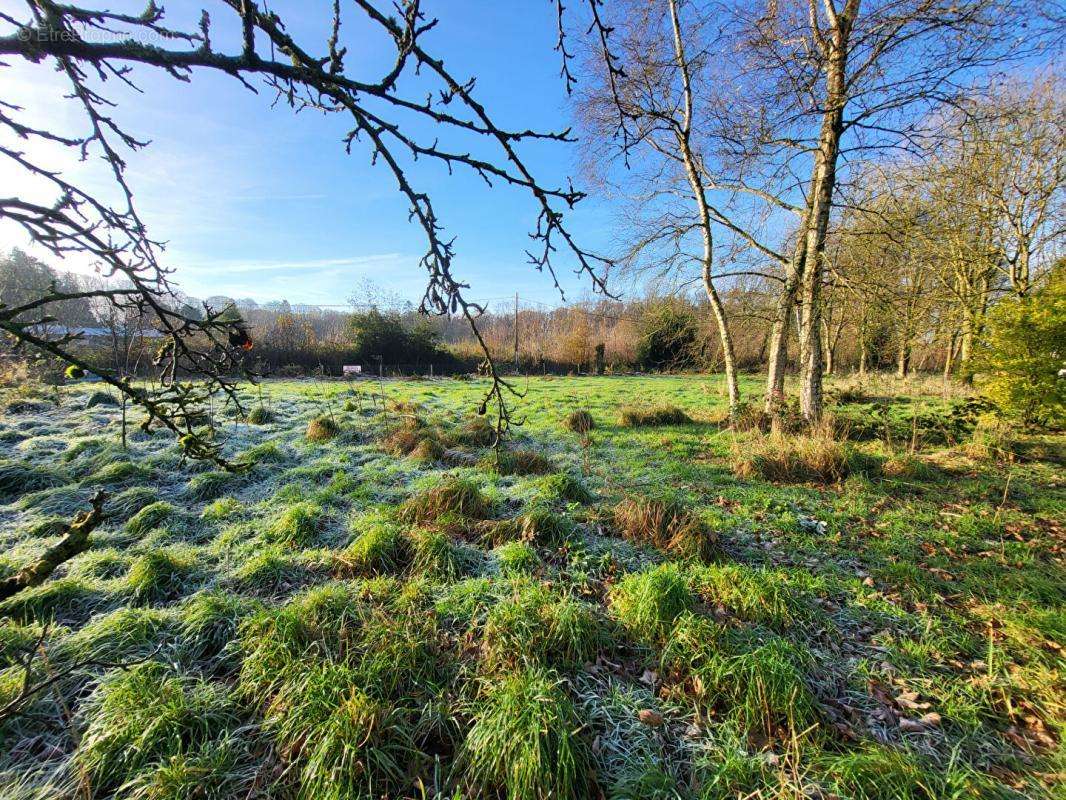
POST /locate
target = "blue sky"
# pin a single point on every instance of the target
(256, 202)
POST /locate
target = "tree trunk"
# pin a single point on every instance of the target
(699, 195)
(822, 188)
(777, 360)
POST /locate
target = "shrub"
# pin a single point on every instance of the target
(647, 603)
(579, 421)
(524, 743)
(667, 335)
(1020, 352)
(453, 495)
(665, 523)
(647, 416)
(260, 415)
(322, 429)
(816, 457)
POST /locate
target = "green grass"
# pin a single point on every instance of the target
(386, 612)
(525, 741)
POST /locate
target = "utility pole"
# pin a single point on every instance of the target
(516, 332)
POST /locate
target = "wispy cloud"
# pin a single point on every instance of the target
(230, 267)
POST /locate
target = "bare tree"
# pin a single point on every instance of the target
(798, 92)
(90, 46)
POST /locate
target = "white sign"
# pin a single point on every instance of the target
(352, 369)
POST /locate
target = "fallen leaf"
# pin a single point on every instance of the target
(649, 717)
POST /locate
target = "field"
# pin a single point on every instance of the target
(383, 607)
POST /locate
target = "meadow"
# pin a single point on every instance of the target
(634, 602)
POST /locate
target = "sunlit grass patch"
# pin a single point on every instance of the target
(378, 547)
(563, 487)
(647, 603)
(149, 517)
(535, 623)
(260, 415)
(816, 457)
(756, 679)
(119, 472)
(435, 555)
(452, 495)
(664, 522)
(769, 597)
(525, 742)
(522, 461)
(580, 421)
(516, 558)
(299, 524)
(126, 633)
(539, 525)
(210, 485)
(322, 429)
(270, 569)
(649, 416)
(221, 509)
(140, 719)
(66, 599)
(161, 574)
(881, 771)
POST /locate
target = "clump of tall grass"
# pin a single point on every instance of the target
(475, 432)
(563, 487)
(754, 594)
(993, 439)
(539, 525)
(209, 623)
(435, 555)
(378, 547)
(140, 720)
(525, 742)
(269, 570)
(129, 501)
(453, 495)
(18, 478)
(816, 457)
(125, 633)
(579, 421)
(516, 558)
(649, 416)
(906, 466)
(68, 599)
(298, 525)
(756, 680)
(522, 461)
(877, 771)
(99, 398)
(322, 429)
(210, 485)
(148, 518)
(413, 438)
(664, 522)
(260, 415)
(160, 574)
(537, 624)
(119, 472)
(648, 602)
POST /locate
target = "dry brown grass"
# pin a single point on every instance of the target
(816, 457)
(664, 523)
(579, 421)
(639, 416)
(413, 438)
(322, 429)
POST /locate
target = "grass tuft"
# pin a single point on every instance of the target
(19, 478)
(562, 487)
(453, 495)
(524, 743)
(141, 719)
(160, 574)
(665, 523)
(322, 429)
(149, 518)
(299, 524)
(649, 416)
(579, 421)
(517, 462)
(817, 457)
(380, 548)
(647, 603)
(260, 415)
(101, 399)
